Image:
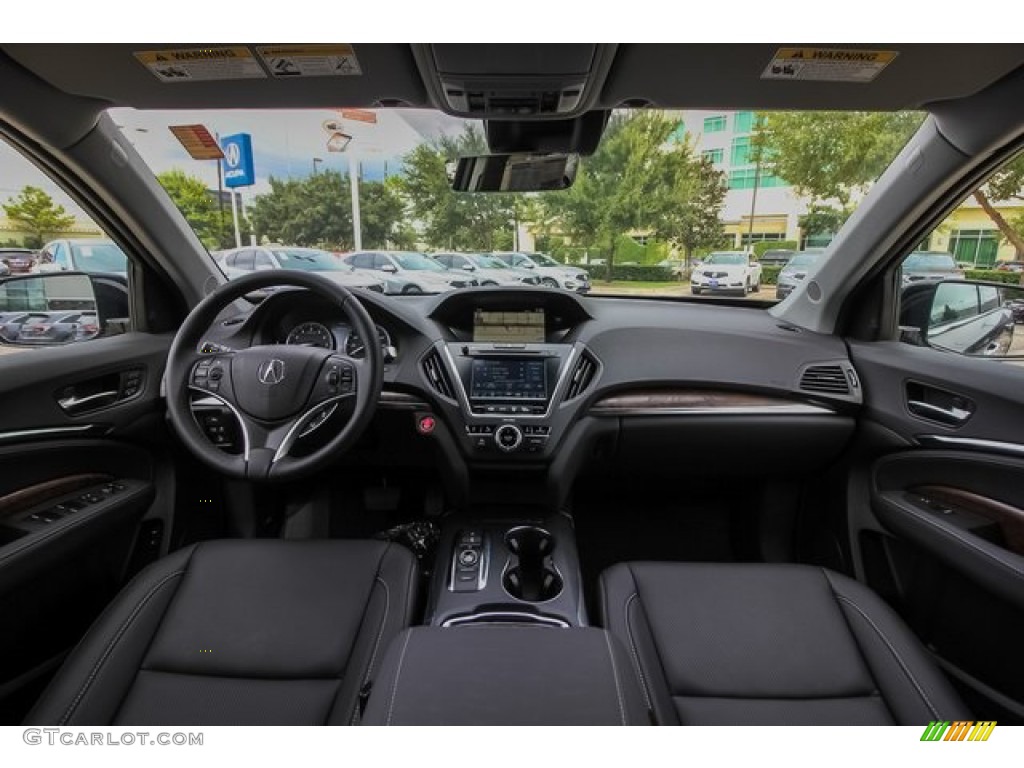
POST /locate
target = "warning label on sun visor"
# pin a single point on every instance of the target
(837, 65)
(310, 60)
(183, 65)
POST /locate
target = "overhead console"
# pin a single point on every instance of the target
(516, 81)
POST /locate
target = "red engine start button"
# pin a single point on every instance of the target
(425, 424)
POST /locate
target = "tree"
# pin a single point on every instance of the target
(694, 221)
(1006, 184)
(830, 157)
(456, 220)
(315, 211)
(35, 212)
(382, 215)
(190, 196)
(638, 180)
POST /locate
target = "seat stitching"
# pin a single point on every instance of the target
(398, 673)
(410, 593)
(963, 540)
(894, 652)
(113, 643)
(380, 631)
(615, 676)
(636, 656)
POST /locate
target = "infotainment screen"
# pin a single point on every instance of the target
(502, 378)
(520, 327)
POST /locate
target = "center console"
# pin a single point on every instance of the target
(507, 572)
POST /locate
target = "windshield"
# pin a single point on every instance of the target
(308, 259)
(929, 262)
(726, 258)
(487, 262)
(802, 260)
(721, 184)
(417, 262)
(99, 257)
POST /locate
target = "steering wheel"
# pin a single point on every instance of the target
(277, 392)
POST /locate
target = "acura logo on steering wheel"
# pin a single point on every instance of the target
(271, 371)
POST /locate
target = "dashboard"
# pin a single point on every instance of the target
(535, 378)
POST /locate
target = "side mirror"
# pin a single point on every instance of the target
(389, 268)
(976, 319)
(57, 308)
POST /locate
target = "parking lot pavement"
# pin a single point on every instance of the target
(598, 288)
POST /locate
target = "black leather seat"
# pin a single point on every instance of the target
(239, 633)
(770, 645)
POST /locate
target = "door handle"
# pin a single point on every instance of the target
(74, 404)
(951, 415)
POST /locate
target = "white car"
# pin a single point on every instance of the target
(410, 272)
(489, 270)
(727, 272)
(241, 261)
(551, 273)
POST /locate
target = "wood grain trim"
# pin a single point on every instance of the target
(1009, 518)
(682, 399)
(26, 498)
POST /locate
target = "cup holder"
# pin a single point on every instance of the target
(531, 575)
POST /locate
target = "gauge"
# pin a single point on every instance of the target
(354, 346)
(311, 335)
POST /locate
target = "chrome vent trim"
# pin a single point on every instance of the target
(437, 375)
(825, 379)
(582, 376)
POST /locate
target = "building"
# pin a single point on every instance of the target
(724, 138)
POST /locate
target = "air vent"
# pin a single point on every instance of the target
(437, 375)
(827, 379)
(582, 376)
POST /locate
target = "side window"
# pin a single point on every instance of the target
(40, 304)
(362, 261)
(444, 260)
(380, 261)
(260, 260)
(962, 287)
(230, 259)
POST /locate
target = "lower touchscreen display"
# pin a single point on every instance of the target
(508, 379)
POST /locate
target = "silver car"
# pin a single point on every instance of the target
(487, 269)
(551, 273)
(796, 270)
(241, 261)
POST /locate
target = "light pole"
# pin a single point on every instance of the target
(353, 179)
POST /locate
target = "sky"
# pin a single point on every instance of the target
(285, 142)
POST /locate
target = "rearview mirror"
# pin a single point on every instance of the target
(47, 310)
(976, 319)
(515, 173)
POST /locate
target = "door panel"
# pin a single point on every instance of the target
(942, 534)
(82, 440)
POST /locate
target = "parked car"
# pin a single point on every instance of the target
(409, 272)
(795, 271)
(727, 272)
(49, 327)
(930, 266)
(676, 266)
(776, 257)
(1010, 266)
(487, 269)
(92, 255)
(16, 260)
(241, 261)
(551, 273)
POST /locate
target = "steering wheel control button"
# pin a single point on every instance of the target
(508, 437)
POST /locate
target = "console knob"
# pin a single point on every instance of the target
(508, 437)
